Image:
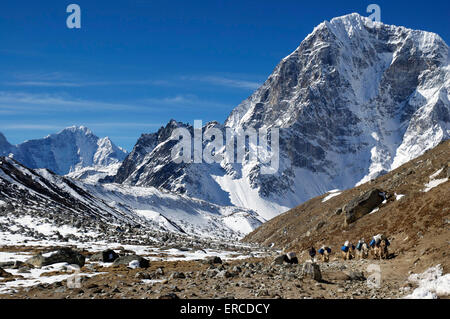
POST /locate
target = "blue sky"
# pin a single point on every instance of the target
(136, 64)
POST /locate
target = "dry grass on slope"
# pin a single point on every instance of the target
(418, 224)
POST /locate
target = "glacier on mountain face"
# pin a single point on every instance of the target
(353, 101)
(40, 191)
(70, 150)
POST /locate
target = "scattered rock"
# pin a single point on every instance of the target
(279, 260)
(224, 274)
(320, 225)
(211, 273)
(214, 260)
(355, 275)
(63, 255)
(237, 269)
(5, 274)
(169, 296)
(126, 260)
(107, 256)
(7, 264)
(291, 258)
(142, 275)
(312, 270)
(177, 275)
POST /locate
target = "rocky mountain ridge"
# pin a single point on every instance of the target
(69, 150)
(353, 101)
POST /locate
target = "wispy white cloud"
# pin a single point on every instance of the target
(37, 127)
(68, 84)
(64, 80)
(186, 100)
(225, 81)
(30, 103)
(21, 101)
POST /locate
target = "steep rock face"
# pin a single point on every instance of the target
(69, 150)
(353, 101)
(151, 154)
(362, 205)
(145, 144)
(356, 100)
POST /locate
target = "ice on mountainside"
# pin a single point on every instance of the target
(352, 101)
(70, 150)
(40, 191)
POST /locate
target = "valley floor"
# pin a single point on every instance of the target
(187, 273)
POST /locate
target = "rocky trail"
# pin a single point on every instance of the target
(187, 273)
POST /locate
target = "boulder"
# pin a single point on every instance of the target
(211, 273)
(5, 274)
(291, 258)
(177, 275)
(107, 256)
(63, 255)
(126, 260)
(320, 225)
(355, 275)
(7, 264)
(214, 260)
(362, 205)
(143, 275)
(312, 270)
(20, 264)
(279, 260)
(225, 274)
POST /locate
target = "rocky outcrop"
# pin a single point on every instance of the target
(372, 79)
(289, 258)
(63, 255)
(107, 256)
(214, 260)
(362, 205)
(5, 274)
(126, 260)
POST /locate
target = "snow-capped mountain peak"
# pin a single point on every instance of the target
(69, 150)
(354, 100)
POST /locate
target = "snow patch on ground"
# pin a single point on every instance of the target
(333, 193)
(37, 276)
(48, 229)
(432, 283)
(434, 182)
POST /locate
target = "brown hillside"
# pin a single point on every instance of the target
(418, 224)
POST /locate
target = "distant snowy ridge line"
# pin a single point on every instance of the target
(67, 151)
(123, 205)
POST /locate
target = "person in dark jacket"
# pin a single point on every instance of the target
(312, 253)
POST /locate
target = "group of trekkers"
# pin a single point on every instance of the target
(377, 248)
